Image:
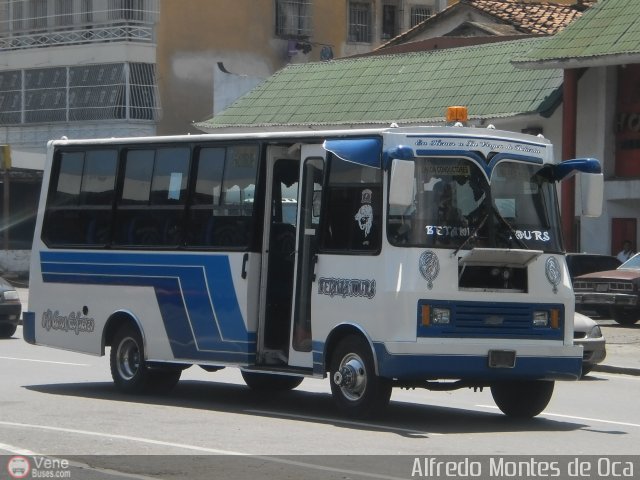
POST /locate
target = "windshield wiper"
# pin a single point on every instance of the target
(513, 232)
(473, 234)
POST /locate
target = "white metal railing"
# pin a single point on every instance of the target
(118, 91)
(131, 33)
(41, 23)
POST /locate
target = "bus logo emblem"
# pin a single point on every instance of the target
(553, 272)
(429, 267)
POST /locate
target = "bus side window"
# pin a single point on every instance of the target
(169, 192)
(130, 217)
(79, 206)
(354, 208)
(151, 208)
(221, 210)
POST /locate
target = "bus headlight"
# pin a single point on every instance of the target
(440, 316)
(544, 318)
(541, 319)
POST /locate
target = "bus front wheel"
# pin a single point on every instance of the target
(129, 370)
(522, 399)
(356, 389)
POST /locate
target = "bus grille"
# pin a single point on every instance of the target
(490, 319)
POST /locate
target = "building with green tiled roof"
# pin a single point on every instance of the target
(600, 53)
(516, 85)
(413, 88)
(607, 34)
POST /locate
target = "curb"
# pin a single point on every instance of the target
(617, 369)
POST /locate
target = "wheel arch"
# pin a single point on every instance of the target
(339, 332)
(115, 321)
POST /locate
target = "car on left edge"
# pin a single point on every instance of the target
(10, 309)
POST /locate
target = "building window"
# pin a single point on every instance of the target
(17, 16)
(360, 26)
(293, 18)
(389, 24)
(126, 9)
(86, 11)
(38, 13)
(64, 12)
(419, 13)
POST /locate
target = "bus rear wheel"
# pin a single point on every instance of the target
(269, 382)
(522, 399)
(357, 390)
(129, 370)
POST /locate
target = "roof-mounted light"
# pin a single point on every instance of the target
(457, 114)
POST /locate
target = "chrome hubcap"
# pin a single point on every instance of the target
(351, 377)
(128, 358)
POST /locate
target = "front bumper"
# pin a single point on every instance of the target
(547, 363)
(594, 299)
(594, 350)
(10, 313)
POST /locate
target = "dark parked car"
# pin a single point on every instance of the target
(582, 263)
(10, 309)
(616, 290)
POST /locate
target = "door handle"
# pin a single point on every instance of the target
(245, 259)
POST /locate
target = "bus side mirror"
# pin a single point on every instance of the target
(402, 182)
(591, 193)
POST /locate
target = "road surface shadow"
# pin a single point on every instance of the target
(401, 418)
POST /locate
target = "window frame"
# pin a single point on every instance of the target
(360, 30)
(293, 19)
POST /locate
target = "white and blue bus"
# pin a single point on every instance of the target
(402, 257)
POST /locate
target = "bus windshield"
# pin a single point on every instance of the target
(456, 205)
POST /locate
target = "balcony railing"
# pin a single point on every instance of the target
(26, 24)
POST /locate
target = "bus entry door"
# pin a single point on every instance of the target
(309, 202)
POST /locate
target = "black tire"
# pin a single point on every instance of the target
(270, 382)
(129, 370)
(7, 330)
(357, 390)
(522, 399)
(625, 317)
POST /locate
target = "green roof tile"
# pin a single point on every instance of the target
(609, 28)
(414, 87)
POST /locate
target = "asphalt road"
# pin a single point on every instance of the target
(63, 405)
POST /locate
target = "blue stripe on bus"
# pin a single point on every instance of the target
(467, 367)
(195, 294)
(474, 367)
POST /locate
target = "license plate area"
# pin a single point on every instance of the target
(502, 358)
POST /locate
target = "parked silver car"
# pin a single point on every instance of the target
(588, 334)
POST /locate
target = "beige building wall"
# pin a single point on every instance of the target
(193, 40)
(240, 34)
